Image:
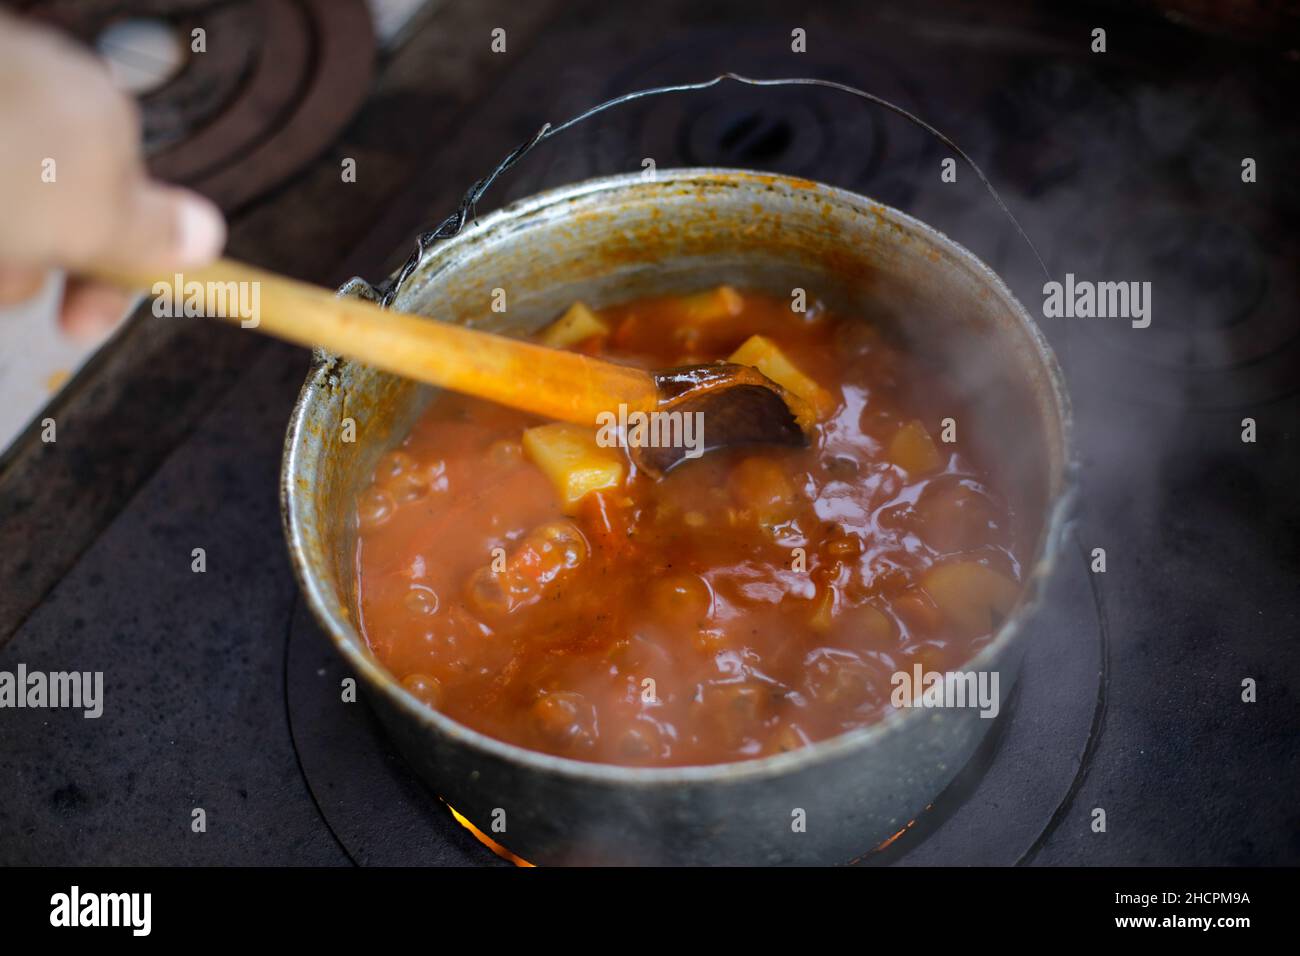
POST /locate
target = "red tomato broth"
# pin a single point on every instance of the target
(690, 581)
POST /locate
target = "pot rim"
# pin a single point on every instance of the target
(348, 641)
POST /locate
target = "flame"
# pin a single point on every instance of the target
(889, 840)
(505, 854)
(487, 841)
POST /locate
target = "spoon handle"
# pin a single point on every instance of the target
(548, 382)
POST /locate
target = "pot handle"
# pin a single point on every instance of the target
(384, 292)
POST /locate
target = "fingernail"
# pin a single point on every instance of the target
(202, 231)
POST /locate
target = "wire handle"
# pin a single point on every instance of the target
(387, 290)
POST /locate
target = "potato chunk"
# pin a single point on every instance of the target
(573, 461)
(913, 450)
(762, 353)
(578, 324)
(973, 598)
(719, 303)
(865, 626)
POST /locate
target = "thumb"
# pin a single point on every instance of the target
(164, 227)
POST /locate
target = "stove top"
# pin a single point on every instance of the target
(222, 694)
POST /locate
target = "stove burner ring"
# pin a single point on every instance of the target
(1214, 269)
(276, 83)
(786, 134)
(426, 242)
(1223, 331)
(782, 131)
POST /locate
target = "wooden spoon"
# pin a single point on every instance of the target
(740, 405)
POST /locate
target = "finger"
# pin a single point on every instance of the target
(164, 227)
(91, 309)
(18, 284)
(70, 152)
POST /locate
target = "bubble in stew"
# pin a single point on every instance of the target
(524, 579)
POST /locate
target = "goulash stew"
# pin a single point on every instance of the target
(525, 580)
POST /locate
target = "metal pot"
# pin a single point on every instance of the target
(625, 236)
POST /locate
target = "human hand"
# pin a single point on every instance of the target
(73, 188)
